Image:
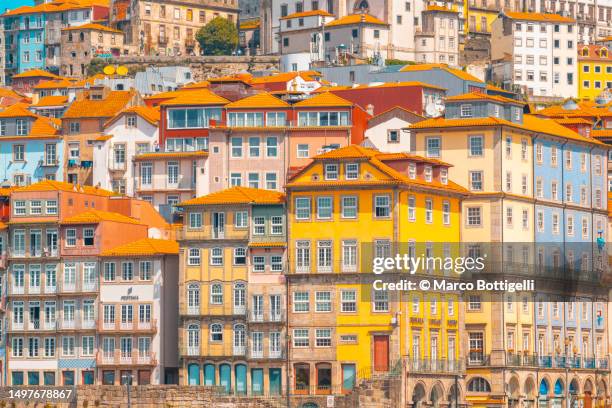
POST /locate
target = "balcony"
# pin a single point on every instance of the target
(16, 325)
(261, 317)
(138, 326)
(193, 351)
(477, 358)
(128, 359)
(83, 250)
(256, 353)
(114, 165)
(239, 350)
(239, 310)
(78, 287)
(34, 324)
(193, 310)
(50, 325)
(88, 324)
(435, 366)
(67, 324)
(49, 162)
(34, 290)
(275, 354)
(17, 290)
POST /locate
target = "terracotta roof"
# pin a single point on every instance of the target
(53, 185)
(57, 6)
(93, 26)
(103, 138)
(10, 93)
(170, 155)
(594, 52)
(322, 100)
(149, 114)
(201, 96)
(603, 133)
(102, 108)
(6, 191)
(492, 87)
(194, 85)
(18, 110)
(396, 107)
(309, 13)
(61, 83)
(267, 244)
(541, 17)
(238, 195)
(376, 159)
(260, 100)
(356, 19)
(435, 7)
(426, 67)
(34, 73)
(378, 86)
(144, 247)
(477, 96)
(44, 126)
(573, 121)
(531, 123)
(96, 216)
(54, 100)
(250, 25)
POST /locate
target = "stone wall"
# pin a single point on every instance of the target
(203, 67)
(374, 393)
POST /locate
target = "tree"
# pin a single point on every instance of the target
(96, 66)
(219, 37)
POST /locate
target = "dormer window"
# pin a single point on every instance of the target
(22, 127)
(331, 171)
(351, 171)
(604, 53)
(428, 173)
(130, 121)
(412, 171)
(585, 52)
(444, 176)
(466, 110)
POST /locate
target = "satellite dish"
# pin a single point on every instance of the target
(430, 110)
(109, 69)
(122, 70)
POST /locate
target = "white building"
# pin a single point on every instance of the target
(402, 18)
(388, 131)
(539, 51)
(133, 131)
(437, 40)
(593, 17)
(144, 347)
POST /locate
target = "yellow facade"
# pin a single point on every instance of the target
(594, 71)
(419, 211)
(479, 21)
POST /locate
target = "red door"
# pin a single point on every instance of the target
(381, 353)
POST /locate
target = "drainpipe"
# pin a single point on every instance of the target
(287, 337)
(503, 315)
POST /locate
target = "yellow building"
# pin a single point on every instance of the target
(594, 70)
(231, 291)
(348, 206)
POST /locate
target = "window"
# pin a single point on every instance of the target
(302, 208)
(216, 256)
(351, 171)
(127, 271)
(216, 332)
(18, 152)
(254, 143)
(411, 208)
(70, 237)
(324, 208)
(253, 180)
(331, 171)
(300, 338)
(109, 271)
(195, 220)
(323, 337)
(271, 147)
(146, 269)
(382, 206)
(19, 207)
(393, 136)
(259, 227)
(476, 180)
(474, 216)
(216, 294)
(466, 111)
(259, 263)
(349, 207)
(323, 301)
(239, 256)
(301, 302)
(446, 213)
(348, 301)
(476, 145)
(433, 147)
(241, 219)
(381, 301)
(302, 151)
(88, 236)
(428, 211)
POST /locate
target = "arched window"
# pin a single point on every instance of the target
(193, 298)
(239, 297)
(216, 294)
(216, 332)
(479, 384)
(585, 52)
(193, 339)
(81, 37)
(239, 339)
(604, 52)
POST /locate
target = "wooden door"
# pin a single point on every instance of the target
(381, 353)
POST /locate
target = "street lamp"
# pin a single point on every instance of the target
(127, 380)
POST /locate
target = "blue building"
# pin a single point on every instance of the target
(33, 33)
(31, 147)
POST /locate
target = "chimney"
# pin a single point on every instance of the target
(370, 109)
(362, 17)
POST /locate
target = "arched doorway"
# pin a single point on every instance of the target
(587, 394)
(558, 391)
(530, 393)
(193, 371)
(418, 395)
(436, 396)
(543, 392)
(454, 397)
(514, 390)
(574, 390)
